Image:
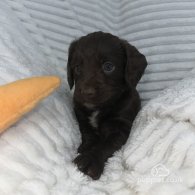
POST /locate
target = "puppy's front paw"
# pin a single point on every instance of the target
(90, 165)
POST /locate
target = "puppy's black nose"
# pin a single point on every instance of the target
(90, 92)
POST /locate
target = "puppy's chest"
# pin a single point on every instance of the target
(94, 118)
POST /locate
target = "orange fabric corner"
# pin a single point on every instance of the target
(19, 97)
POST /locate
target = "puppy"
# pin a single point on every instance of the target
(105, 71)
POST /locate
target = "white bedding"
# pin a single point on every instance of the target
(36, 153)
(163, 30)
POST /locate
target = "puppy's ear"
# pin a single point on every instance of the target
(70, 73)
(135, 64)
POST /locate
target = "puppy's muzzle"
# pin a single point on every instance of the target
(88, 92)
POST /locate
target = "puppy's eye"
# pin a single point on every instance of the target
(108, 67)
(77, 69)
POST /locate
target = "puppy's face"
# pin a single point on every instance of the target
(97, 65)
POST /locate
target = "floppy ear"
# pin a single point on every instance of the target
(70, 74)
(135, 64)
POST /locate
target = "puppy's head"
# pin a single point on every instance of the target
(102, 66)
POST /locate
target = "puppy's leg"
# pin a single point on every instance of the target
(89, 138)
(114, 134)
(87, 132)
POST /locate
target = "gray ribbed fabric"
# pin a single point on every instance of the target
(163, 30)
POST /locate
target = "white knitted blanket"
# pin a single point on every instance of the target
(159, 156)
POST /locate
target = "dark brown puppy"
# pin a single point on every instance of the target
(105, 71)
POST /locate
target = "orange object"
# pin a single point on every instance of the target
(19, 97)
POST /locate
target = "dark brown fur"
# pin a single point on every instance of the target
(113, 95)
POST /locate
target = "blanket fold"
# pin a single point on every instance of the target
(163, 140)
